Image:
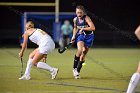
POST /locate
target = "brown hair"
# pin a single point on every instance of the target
(81, 7)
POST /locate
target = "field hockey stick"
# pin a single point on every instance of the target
(21, 66)
(65, 48)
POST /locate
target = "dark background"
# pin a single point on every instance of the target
(115, 20)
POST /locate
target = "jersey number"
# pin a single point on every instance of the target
(42, 32)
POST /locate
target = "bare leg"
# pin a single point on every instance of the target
(82, 58)
(138, 69)
(84, 52)
(80, 46)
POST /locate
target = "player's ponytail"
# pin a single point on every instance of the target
(30, 24)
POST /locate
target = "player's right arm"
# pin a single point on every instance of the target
(137, 32)
(24, 45)
(74, 29)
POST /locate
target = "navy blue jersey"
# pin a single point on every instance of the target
(82, 24)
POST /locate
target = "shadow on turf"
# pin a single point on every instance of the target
(86, 87)
(85, 78)
(88, 78)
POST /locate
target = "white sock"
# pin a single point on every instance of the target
(28, 68)
(43, 65)
(133, 83)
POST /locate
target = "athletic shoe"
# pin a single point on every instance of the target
(77, 77)
(24, 77)
(54, 73)
(76, 74)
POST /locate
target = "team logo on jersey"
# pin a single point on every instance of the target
(83, 26)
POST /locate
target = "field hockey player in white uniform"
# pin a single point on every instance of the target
(45, 46)
(135, 79)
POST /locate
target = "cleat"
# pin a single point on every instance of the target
(77, 77)
(25, 77)
(76, 74)
(54, 73)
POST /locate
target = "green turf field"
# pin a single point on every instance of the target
(106, 71)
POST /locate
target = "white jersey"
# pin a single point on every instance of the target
(39, 36)
(45, 42)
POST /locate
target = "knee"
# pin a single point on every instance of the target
(136, 32)
(84, 52)
(82, 58)
(34, 63)
(31, 56)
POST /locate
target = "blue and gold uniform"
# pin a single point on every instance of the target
(87, 36)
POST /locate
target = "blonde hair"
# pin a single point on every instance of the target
(30, 24)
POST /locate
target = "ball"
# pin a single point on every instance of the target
(83, 64)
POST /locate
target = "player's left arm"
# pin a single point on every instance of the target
(24, 45)
(90, 23)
